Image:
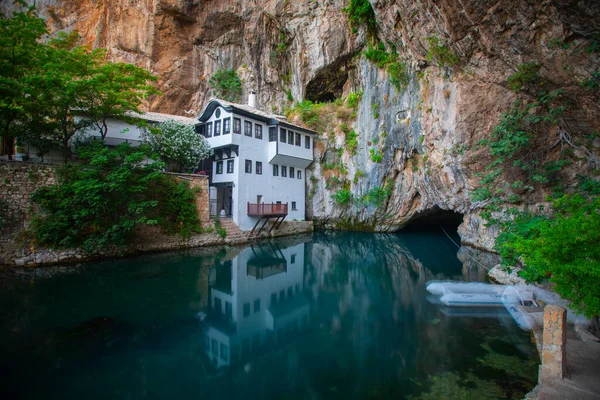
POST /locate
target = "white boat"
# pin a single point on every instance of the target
(441, 288)
(472, 299)
(514, 300)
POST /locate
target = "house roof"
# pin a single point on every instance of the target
(160, 117)
(246, 110)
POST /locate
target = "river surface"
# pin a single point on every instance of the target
(329, 315)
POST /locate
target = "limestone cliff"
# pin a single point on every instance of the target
(426, 133)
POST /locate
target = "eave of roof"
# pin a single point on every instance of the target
(251, 112)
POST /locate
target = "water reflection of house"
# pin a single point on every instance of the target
(256, 301)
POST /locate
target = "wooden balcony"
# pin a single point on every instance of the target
(267, 210)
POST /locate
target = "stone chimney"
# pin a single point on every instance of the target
(252, 99)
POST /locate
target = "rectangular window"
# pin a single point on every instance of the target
(258, 168)
(294, 206)
(219, 167)
(258, 131)
(246, 309)
(228, 310)
(293, 260)
(307, 142)
(209, 129)
(283, 171)
(248, 128)
(256, 305)
(298, 140)
(290, 137)
(226, 126)
(275, 170)
(200, 129)
(299, 173)
(292, 173)
(230, 166)
(224, 351)
(217, 128)
(272, 134)
(237, 125)
(248, 166)
(282, 135)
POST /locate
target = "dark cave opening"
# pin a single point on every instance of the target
(435, 220)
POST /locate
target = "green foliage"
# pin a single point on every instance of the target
(563, 248)
(98, 203)
(527, 75)
(309, 113)
(289, 95)
(46, 82)
(375, 108)
(353, 99)
(351, 141)
(376, 155)
(438, 52)
(360, 12)
(378, 195)
(397, 70)
(593, 46)
(178, 143)
(219, 230)
(343, 197)
(226, 84)
(591, 82)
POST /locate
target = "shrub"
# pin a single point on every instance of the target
(97, 203)
(226, 84)
(527, 75)
(376, 155)
(378, 55)
(353, 99)
(442, 55)
(178, 143)
(360, 12)
(398, 74)
(351, 142)
(343, 197)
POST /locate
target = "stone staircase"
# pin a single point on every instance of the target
(234, 233)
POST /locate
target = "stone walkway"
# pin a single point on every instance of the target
(583, 374)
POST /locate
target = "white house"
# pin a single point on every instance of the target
(256, 300)
(259, 166)
(119, 131)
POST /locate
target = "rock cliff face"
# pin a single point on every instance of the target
(426, 133)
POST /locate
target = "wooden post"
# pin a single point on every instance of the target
(554, 361)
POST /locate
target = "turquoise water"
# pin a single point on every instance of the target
(332, 315)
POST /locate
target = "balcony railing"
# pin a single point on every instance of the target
(266, 209)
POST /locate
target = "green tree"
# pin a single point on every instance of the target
(226, 84)
(178, 143)
(562, 248)
(20, 54)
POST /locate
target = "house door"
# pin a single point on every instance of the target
(259, 199)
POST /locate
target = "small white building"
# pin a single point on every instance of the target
(258, 170)
(256, 302)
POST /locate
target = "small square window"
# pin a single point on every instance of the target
(230, 166)
(237, 125)
(217, 128)
(298, 139)
(256, 305)
(248, 166)
(282, 135)
(299, 173)
(290, 137)
(246, 309)
(293, 259)
(275, 170)
(272, 134)
(292, 173)
(307, 142)
(258, 131)
(248, 128)
(284, 171)
(209, 129)
(294, 206)
(219, 167)
(258, 168)
(226, 126)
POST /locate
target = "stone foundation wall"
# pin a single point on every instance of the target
(18, 181)
(554, 342)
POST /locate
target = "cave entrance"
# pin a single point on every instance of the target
(434, 220)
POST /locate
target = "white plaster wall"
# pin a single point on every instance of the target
(118, 132)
